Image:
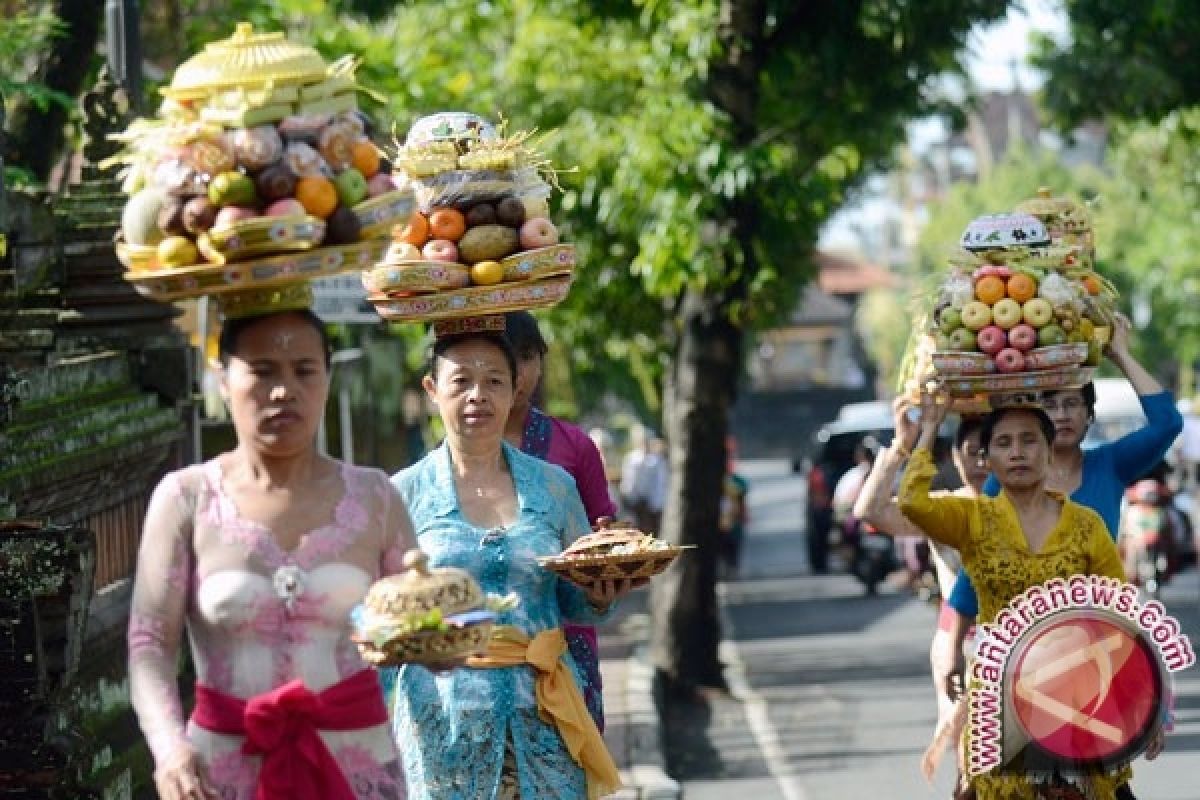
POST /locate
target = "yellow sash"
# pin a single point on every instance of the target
(558, 698)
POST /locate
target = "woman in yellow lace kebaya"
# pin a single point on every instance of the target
(1024, 537)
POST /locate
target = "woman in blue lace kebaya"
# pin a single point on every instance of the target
(512, 724)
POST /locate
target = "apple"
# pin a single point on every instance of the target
(1038, 311)
(998, 270)
(351, 187)
(1007, 313)
(232, 214)
(485, 273)
(1051, 334)
(962, 339)
(287, 207)
(538, 232)
(1010, 359)
(976, 315)
(991, 340)
(380, 183)
(949, 319)
(1023, 337)
(402, 251)
(942, 342)
(440, 250)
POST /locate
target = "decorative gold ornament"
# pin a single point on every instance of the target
(273, 300)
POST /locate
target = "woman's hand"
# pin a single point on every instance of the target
(906, 427)
(184, 778)
(1118, 344)
(935, 403)
(603, 594)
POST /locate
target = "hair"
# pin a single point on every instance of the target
(1088, 390)
(232, 330)
(993, 419)
(521, 330)
(967, 426)
(500, 342)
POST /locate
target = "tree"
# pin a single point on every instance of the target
(1133, 60)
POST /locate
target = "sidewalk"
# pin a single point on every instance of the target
(632, 728)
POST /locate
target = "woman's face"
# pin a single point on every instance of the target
(276, 384)
(529, 373)
(1069, 413)
(968, 459)
(1018, 453)
(473, 390)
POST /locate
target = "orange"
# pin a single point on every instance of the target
(1021, 287)
(415, 231)
(1092, 284)
(318, 195)
(990, 289)
(364, 157)
(447, 223)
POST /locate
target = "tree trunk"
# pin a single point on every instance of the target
(702, 384)
(36, 137)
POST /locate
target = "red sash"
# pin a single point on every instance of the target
(281, 726)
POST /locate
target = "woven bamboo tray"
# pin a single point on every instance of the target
(473, 301)
(453, 644)
(206, 279)
(587, 570)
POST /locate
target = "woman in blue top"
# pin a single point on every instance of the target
(490, 730)
(1095, 478)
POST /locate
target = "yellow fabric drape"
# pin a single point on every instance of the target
(558, 698)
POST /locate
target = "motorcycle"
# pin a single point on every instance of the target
(870, 554)
(1148, 535)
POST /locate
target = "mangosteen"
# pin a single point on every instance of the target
(170, 217)
(342, 227)
(511, 212)
(198, 215)
(275, 183)
(481, 214)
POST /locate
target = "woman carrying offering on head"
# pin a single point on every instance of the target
(1021, 538)
(550, 439)
(260, 554)
(512, 723)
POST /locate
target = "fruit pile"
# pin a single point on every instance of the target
(1018, 307)
(481, 204)
(254, 129)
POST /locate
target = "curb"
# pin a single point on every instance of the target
(633, 730)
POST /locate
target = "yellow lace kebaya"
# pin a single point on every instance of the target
(987, 533)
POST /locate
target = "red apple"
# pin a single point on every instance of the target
(287, 207)
(998, 270)
(1010, 360)
(440, 250)
(1023, 337)
(538, 232)
(991, 340)
(380, 183)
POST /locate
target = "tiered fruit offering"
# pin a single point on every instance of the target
(1005, 312)
(481, 197)
(253, 127)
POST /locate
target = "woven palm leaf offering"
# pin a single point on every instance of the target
(1016, 314)
(258, 167)
(425, 615)
(481, 240)
(613, 553)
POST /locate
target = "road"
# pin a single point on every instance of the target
(831, 696)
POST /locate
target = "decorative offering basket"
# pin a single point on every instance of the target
(612, 554)
(423, 615)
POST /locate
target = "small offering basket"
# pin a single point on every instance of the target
(422, 616)
(613, 554)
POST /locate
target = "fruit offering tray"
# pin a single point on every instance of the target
(404, 277)
(588, 570)
(1039, 359)
(255, 133)
(473, 301)
(213, 279)
(456, 639)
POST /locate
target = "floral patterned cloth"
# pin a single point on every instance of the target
(258, 617)
(453, 727)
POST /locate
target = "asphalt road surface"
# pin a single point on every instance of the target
(831, 696)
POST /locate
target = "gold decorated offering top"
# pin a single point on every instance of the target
(1060, 213)
(246, 59)
(420, 590)
(613, 541)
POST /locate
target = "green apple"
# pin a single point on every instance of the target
(351, 187)
(942, 341)
(232, 189)
(976, 315)
(1038, 312)
(949, 319)
(962, 340)
(1006, 313)
(1051, 334)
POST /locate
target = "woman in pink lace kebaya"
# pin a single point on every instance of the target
(260, 554)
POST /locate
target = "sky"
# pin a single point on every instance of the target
(992, 51)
